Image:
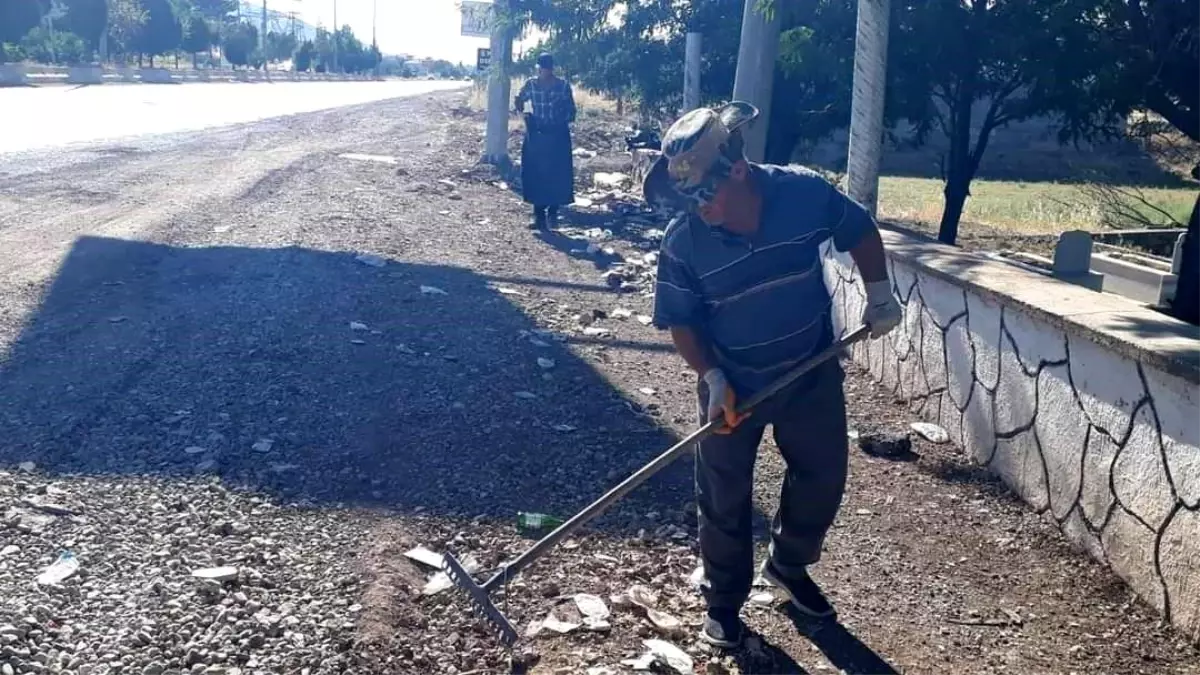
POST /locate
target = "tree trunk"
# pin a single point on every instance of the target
(1186, 306)
(959, 169)
(958, 188)
(195, 63)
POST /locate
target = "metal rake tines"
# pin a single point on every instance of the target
(481, 603)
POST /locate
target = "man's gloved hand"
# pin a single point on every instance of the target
(722, 401)
(882, 312)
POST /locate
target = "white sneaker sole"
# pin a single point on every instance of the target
(722, 644)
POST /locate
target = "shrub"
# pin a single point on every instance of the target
(43, 46)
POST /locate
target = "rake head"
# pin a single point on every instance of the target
(480, 601)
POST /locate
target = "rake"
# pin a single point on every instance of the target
(480, 594)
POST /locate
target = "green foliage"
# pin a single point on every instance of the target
(811, 97)
(324, 48)
(156, 27)
(162, 33)
(351, 55)
(280, 46)
(11, 53)
(84, 18)
(640, 59)
(18, 17)
(125, 21)
(1005, 59)
(53, 47)
(199, 35)
(238, 42)
(446, 69)
(1151, 55)
(305, 57)
(217, 11)
(1138, 54)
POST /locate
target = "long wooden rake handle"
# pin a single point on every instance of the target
(597, 507)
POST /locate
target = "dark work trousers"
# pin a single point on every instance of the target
(809, 426)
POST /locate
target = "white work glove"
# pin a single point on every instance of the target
(882, 312)
(722, 401)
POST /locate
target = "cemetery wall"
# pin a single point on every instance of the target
(1087, 405)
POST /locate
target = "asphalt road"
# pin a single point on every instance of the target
(49, 117)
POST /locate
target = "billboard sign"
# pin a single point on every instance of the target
(476, 18)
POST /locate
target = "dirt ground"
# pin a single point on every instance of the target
(241, 348)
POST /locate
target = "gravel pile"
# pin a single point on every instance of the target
(181, 576)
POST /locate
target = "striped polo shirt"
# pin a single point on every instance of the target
(760, 302)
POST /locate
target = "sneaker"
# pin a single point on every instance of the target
(722, 628)
(802, 591)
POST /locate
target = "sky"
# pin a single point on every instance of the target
(423, 28)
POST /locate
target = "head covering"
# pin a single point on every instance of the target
(545, 60)
(698, 151)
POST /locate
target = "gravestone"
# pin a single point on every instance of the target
(1073, 260)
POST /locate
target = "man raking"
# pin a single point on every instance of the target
(741, 288)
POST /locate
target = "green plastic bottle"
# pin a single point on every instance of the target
(536, 521)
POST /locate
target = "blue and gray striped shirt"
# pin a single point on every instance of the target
(760, 301)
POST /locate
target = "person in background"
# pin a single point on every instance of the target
(547, 173)
(741, 289)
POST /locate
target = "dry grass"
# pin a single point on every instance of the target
(1020, 207)
(1038, 205)
(587, 102)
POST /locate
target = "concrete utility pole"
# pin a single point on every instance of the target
(374, 43)
(755, 76)
(499, 86)
(262, 34)
(866, 103)
(335, 38)
(691, 72)
(102, 48)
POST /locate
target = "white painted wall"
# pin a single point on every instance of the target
(1106, 445)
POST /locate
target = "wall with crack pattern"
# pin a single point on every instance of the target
(1106, 445)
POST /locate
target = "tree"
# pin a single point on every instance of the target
(85, 18)
(352, 55)
(238, 43)
(1148, 56)
(216, 11)
(305, 56)
(58, 47)
(11, 53)
(324, 49)
(948, 57)
(813, 78)
(161, 33)
(17, 18)
(642, 57)
(280, 46)
(198, 36)
(125, 21)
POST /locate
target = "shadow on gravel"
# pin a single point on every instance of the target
(843, 649)
(577, 249)
(323, 380)
(765, 658)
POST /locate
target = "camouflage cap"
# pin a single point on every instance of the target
(698, 151)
